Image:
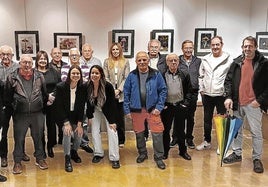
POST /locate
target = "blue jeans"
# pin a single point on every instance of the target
(254, 117)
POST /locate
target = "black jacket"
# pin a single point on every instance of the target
(109, 107)
(62, 102)
(1, 102)
(260, 80)
(17, 98)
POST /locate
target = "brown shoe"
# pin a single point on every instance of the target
(4, 162)
(25, 158)
(41, 164)
(17, 169)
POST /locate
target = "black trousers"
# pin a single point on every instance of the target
(176, 114)
(209, 104)
(120, 122)
(5, 115)
(189, 122)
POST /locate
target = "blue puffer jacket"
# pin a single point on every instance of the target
(156, 92)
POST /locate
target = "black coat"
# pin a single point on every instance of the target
(62, 102)
(109, 107)
(259, 83)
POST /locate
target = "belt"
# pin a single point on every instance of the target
(173, 104)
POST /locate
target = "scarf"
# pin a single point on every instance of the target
(26, 75)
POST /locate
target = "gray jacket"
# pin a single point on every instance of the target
(5, 71)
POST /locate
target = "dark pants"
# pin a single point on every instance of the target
(189, 119)
(209, 104)
(34, 121)
(120, 122)
(51, 126)
(6, 115)
(178, 115)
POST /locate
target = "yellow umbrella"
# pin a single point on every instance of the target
(220, 124)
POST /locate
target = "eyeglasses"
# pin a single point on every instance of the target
(74, 56)
(26, 62)
(154, 47)
(6, 54)
(173, 60)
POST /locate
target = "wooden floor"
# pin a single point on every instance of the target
(203, 170)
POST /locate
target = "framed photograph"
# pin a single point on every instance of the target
(66, 41)
(166, 38)
(262, 41)
(126, 39)
(27, 42)
(202, 40)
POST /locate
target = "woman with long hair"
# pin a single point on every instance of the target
(70, 104)
(101, 104)
(116, 69)
(52, 78)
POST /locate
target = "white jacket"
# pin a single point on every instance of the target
(212, 73)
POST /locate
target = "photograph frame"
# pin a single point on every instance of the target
(202, 40)
(262, 42)
(166, 38)
(26, 42)
(66, 41)
(126, 39)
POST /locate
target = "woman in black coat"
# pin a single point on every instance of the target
(70, 104)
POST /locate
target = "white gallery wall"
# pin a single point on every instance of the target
(95, 19)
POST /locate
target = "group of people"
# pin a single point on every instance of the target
(161, 91)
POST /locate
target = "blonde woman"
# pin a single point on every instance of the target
(116, 69)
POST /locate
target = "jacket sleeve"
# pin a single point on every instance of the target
(127, 94)
(162, 92)
(187, 90)
(200, 78)
(228, 82)
(61, 104)
(109, 108)
(126, 72)
(106, 70)
(8, 94)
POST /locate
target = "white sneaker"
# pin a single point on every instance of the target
(203, 146)
(218, 151)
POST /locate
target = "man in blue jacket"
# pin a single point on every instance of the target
(144, 97)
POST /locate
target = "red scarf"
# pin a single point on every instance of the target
(26, 75)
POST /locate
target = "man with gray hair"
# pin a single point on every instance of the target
(26, 94)
(7, 66)
(87, 57)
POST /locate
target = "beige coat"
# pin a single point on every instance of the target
(122, 74)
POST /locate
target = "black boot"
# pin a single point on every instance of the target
(2, 178)
(50, 152)
(68, 164)
(75, 156)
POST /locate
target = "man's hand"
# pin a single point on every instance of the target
(228, 103)
(113, 127)
(255, 104)
(128, 116)
(155, 112)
